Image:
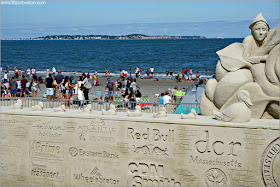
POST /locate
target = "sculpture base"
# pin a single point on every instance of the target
(71, 149)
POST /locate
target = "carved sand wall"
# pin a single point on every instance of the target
(72, 149)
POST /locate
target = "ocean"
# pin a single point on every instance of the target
(76, 56)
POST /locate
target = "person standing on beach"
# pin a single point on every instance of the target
(183, 74)
(28, 72)
(47, 73)
(136, 72)
(187, 74)
(111, 88)
(67, 92)
(15, 70)
(197, 76)
(33, 72)
(130, 72)
(167, 73)
(53, 71)
(34, 87)
(1, 69)
(85, 80)
(171, 73)
(152, 69)
(5, 77)
(121, 73)
(13, 84)
(49, 87)
(23, 86)
(134, 86)
(106, 71)
(191, 74)
(148, 72)
(79, 90)
(59, 79)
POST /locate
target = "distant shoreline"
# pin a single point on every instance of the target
(28, 39)
(108, 37)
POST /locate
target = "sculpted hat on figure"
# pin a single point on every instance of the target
(253, 66)
(258, 18)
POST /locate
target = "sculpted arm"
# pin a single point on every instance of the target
(247, 43)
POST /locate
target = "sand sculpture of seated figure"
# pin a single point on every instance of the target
(86, 109)
(136, 113)
(112, 111)
(17, 105)
(38, 107)
(253, 66)
(60, 108)
(162, 113)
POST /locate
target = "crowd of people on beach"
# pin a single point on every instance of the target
(57, 86)
(13, 87)
(128, 89)
(186, 74)
(66, 87)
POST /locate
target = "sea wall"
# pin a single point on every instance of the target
(71, 149)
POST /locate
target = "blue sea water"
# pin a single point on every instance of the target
(91, 55)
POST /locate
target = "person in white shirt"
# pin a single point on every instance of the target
(136, 72)
(53, 71)
(5, 77)
(28, 72)
(33, 72)
(152, 71)
(166, 99)
(134, 86)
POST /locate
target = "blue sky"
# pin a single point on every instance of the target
(208, 18)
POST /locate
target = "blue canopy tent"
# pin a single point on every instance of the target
(190, 100)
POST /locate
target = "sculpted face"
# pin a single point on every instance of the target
(259, 31)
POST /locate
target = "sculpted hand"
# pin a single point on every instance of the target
(254, 59)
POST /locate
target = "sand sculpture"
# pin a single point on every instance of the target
(61, 108)
(161, 113)
(252, 66)
(237, 112)
(191, 115)
(111, 111)
(86, 109)
(136, 113)
(38, 107)
(17, 105)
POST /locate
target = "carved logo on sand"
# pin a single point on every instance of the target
(270, 164)
(150, 149)
(73, 151)
(215, 177)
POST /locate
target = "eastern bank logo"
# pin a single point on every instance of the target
(75, 152)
